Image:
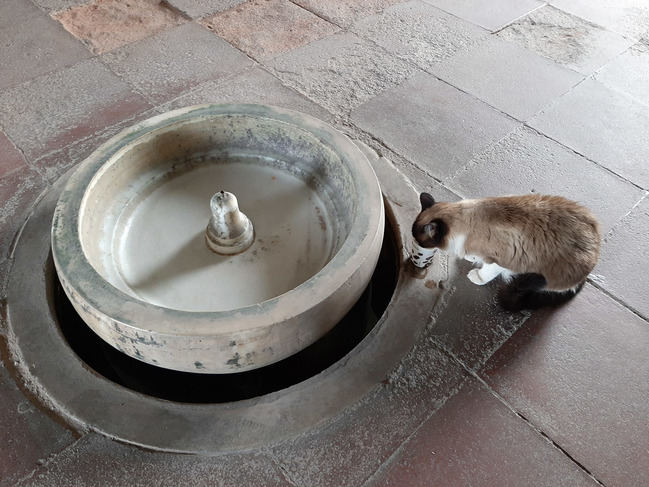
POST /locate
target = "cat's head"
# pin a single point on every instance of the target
(429, 229)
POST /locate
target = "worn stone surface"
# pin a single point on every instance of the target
(18, 190)
(32, 44)
(627, 17)
(604, 125)
(526, 161)
(468, 322)
(579, 374)
(29, 436)
(349, 449)
(508, 77)
(566, 39)
(344, 12)
(104, 25)
(53, 111)
(54, 164)
(473, 440)
(56, 5)
(10, 157)
(432, 124)
(266, 28)
(252, 86)
(341, 71)
(629, 73)
(95, 460)
(167, 64)
(419, 32)
(625, 253)
(490, 15)
(200, 8)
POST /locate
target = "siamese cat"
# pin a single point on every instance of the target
(543, 246)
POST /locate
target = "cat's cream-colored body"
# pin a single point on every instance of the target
(547, 235)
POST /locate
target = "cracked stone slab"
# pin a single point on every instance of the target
(491, 15)
(627, 17)
(104, 25)
(419, 32)
(467, 442)
(432, 124)
(566, 39)
(54, 110)
(345, 12)
(201, 8)
(252, 86)
(10, 157)
(350, 448)
(579, 373)
(604, 125)
(340, 72)
(95, 460)
(508, 77)
(32, 44)
(265, 28)
(629, 73)
(622, 269)
(525, 162)
(169, 63)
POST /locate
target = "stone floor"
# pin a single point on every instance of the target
(468, 98)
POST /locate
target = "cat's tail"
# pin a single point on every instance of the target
(525, 291)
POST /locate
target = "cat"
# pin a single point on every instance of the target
(543, 246)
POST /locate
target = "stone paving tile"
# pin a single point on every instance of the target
(265, 28)
(200, 8)
(508, 77)
(104, 25)
(32, 44)
(18, 191)
(526, 161)
(475, 440)
(566, 39)
(432, 124)
(56, 5)
(622, 269)
(253, 86)
(491, 15)
(54, 164)
(349, 450)
(341, 71)
(345, 12)
(167, 64)
(10, 157)
(469, 323)
(419, 32)
(579, 373)
(54, 110)
(604, 125)
(627, 17)
(95, 461)
(629, 73)
(29, 436)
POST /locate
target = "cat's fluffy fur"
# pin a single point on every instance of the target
(545, 246)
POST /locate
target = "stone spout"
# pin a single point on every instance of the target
(229, 231)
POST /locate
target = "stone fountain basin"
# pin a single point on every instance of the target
(128, 236)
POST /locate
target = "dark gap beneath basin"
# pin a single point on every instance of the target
(217, 388)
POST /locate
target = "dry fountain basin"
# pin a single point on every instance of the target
(219, 238)
(139, 251)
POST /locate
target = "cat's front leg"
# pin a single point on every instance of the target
(487, 273)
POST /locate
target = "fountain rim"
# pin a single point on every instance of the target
(104, 300)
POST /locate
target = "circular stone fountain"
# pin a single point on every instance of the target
(218, 238)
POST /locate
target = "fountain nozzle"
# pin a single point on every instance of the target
(229, 231)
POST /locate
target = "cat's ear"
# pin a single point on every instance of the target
(426, 201)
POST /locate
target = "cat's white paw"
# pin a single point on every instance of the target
(474, 277)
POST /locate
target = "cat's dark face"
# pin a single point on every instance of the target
(429, 230)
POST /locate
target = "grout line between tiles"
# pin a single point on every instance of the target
(536, 429)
